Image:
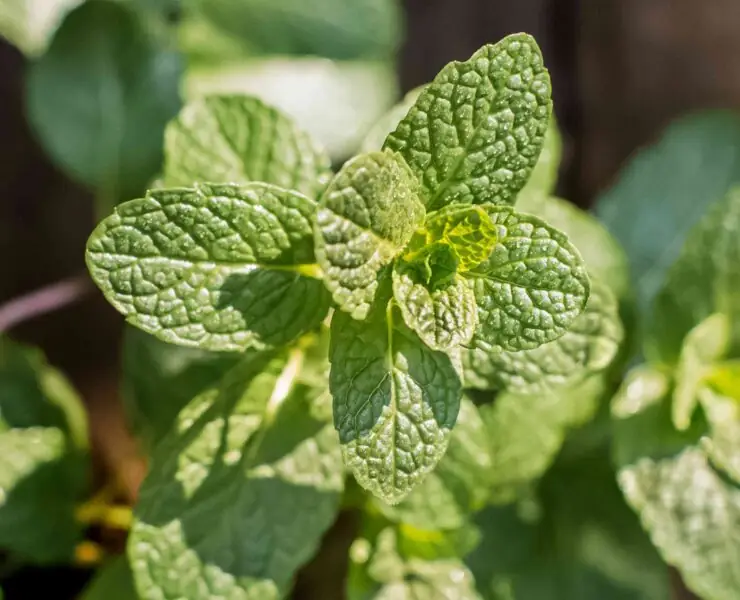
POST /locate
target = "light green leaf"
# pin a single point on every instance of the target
(334, 102)
(159, 379)
(379, 572)
(339, 29)
(545, 173)
(705, 279)
(532, 287)
(238, 139)
(113, 581)
(458, 485)
(689, 169)
(722, 445)
(100, 97)
(365, 218)
(395, 402)
(603, 255)
(254, 454)
(703, 346)
(690, 510)
(29, 24)
(444, 316)
(375, 138)
(642, 386)
(475, 133)
(589, 346)
(219, 267)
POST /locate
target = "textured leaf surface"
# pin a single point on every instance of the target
(689, 169)
(458, 486)
(705, 279)
(395, 402)
(687, 507)
(590, 345)
(28, 26)
(476, 132)
(238, 139)
(375, 138)
(159, 379)
(444, 317)
(544, 176)
(531, 288)
(255, 454)
(100, 97)
(365, 218)
(703, 346)
(217, 266)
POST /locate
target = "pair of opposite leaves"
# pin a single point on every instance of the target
(232, 266)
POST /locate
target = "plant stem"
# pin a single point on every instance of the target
(47, 299)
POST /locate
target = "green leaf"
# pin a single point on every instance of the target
(545, 173)
(100, 97)
(29, 27)
(532, 287)
(603, 255)
(589, 346)
(334, 102)
(704, 280)
(722, 446)
(703, 346)
(339, 29)
(642, 386)
(689, 169)
(254, 456)
(219, 267)
(443, 317)
(688, 508)
(475, 133)
(113, 582)
(238, 139)
(375, 138)
(395, 402)
(159, 379)
(365, 218)
(379, 572)
(458, 485)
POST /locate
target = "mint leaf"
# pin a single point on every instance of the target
(457, 487)
(24, 25)
(545, 173)
(703, 346)
(689, 509)
(106, 128)
(722, 446)
(643, 386)
(239, 139)
(375, 138)
(603, 255)
(219, 267)
(113, 581)
(395, 402)
(365, 218)
(703, 280)
(689, 169)
(531, 288)
(159, 379)
(590, 345)
(443, 317)
(256, 453)
(475, 133)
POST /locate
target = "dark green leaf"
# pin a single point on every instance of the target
(113, 581)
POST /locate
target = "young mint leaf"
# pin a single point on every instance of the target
(444, 316)
(238, 139)
(219, 267)
(531, 288)
(365, 218)
(113, 581)
(254, 454)
(375, 138)
(722, 446)
(545, 173)
(100, 97)
(690, 510)
(159, 379)
(602, 253)
(395, 402)
(24, 25)
(458, 485)
(590, 345)
(475, 133)
(689, 169)
(643, 386)
(704, 280)
(703, 346)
